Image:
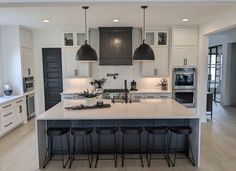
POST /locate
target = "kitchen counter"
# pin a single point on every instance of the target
(146, 109)
(148, 112)
(151, 91)
(5, 99)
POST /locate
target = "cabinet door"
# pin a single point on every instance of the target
(162, 61)
(191, 54)
(27, 62)
(74, 68)
(178, 58)
(20, 111)
(25, 39)
(185, 36)
(160, 66)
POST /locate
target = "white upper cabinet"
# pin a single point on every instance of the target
(27, 62)
(185, 36)
(25, 39)
(73, 68)
(185, 47)
(160, 66)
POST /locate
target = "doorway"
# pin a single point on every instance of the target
(215, 72)
(52, 72)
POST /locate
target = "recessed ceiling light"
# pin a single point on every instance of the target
(46, 21)
(185, 19)
(116, 20)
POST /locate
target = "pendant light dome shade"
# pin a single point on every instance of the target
(86, 53)
(144, 51)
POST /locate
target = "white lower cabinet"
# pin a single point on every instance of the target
(151, 96)
(12, 114)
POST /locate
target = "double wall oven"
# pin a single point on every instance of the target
(184, 86)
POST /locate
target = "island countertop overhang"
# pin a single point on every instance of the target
(146, 109)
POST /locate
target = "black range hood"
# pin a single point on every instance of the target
(115, 45)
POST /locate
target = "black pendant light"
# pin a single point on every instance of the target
(86, 53)
(144, 51)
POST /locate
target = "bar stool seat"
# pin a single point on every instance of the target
(106, 131)
(132, 131)
(185, 131)
(81, 132)
(57, 132)
(155, 131)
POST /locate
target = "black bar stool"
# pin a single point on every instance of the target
(81, 132)
(157, 131)
(106, 131)
(132, 131)
(185, 131)
(57, 132)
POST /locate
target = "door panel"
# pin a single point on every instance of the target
(52, 69)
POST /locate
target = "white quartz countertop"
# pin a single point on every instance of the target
(145, 91)
(5, 99)
(146, 109)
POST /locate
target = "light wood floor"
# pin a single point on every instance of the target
(218, 152)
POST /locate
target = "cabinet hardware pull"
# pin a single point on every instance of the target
(29, 71)
(19, 101)
(8, 124)
(186, 61)
(20, 109)
(4, 107)
(7, 114)
(76, 72)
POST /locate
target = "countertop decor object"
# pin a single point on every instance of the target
(7, 90)
(144, 52)
(86, 53)
(98, 83)
(90, 98)
(83, 107)
(163, 83)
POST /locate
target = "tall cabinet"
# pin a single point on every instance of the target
(184, 47)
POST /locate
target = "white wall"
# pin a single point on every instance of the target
(221, 22)
(225, 38)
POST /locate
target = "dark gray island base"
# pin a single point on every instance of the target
(44, 122)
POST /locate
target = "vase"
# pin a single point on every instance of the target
(90, 101)
(164, 87)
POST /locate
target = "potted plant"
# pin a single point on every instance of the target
(97, 84)
(90, 98)
(163, 83)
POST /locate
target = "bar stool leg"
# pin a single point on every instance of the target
(191, 150)
(98, 152)
(91, 149)
(166, 150)
(140, 150)
(62, 153)
(147, 151)
(73, 152)
(123, 144)
(115, 150)
(48, 154)
(176, 143)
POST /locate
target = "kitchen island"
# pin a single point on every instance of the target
(153, 112)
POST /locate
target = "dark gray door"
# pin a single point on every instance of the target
(52, 71)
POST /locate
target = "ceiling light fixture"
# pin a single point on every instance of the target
(46, 21)
(86, 53)
(116, 20)
(144, 51)
(185, 20)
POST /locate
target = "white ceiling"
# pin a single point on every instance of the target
(71, 16)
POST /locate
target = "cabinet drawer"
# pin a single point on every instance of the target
(8, 125)
(7, 114)
(164, 96)
(138, 96)
(6, 106)
(151, 96)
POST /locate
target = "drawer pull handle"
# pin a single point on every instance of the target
(19, 101)
(8, 124)
(7, 114)
(4, 107)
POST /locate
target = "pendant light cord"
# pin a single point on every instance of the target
(144, 23)
(85, 22)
